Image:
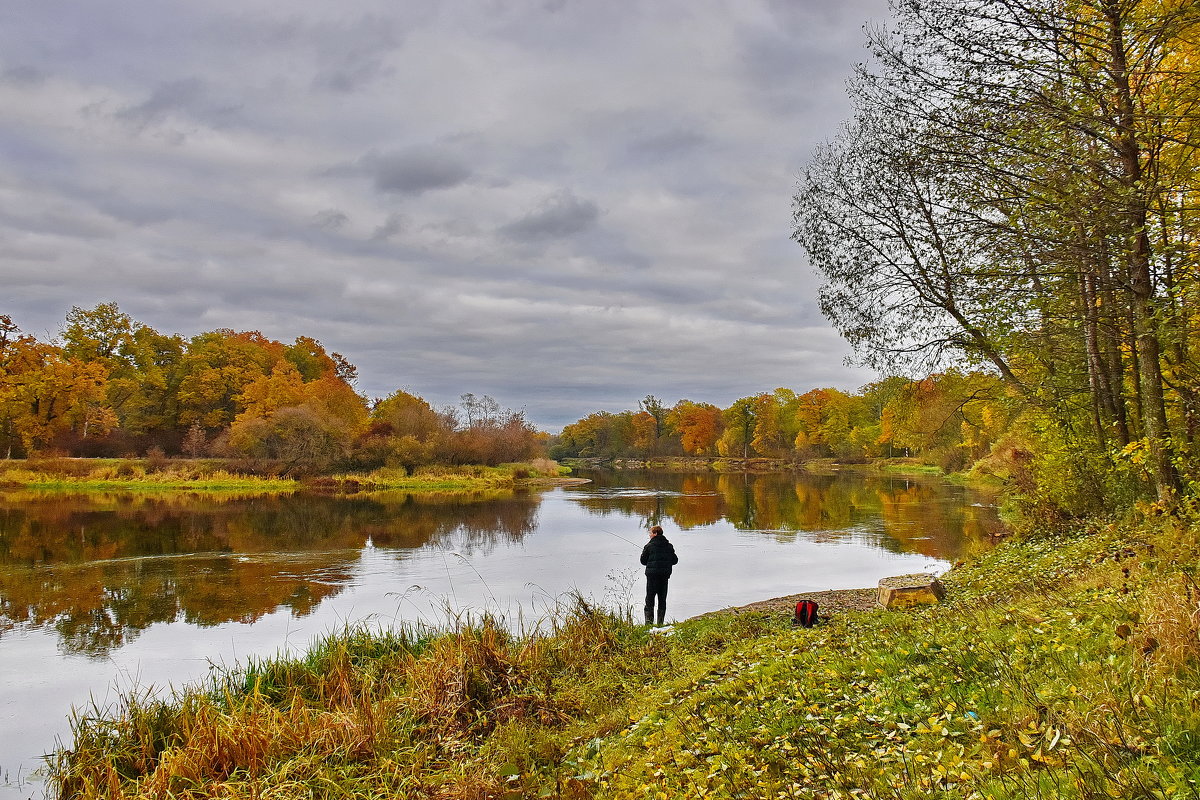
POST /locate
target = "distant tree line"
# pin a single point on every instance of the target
(951, 419)
(111, 386)
(1019, 190)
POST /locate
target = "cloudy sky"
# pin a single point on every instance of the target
(565, 204)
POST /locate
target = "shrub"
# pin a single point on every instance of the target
(156, 460)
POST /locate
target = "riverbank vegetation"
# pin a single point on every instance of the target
(159, 473)
(1064, 665)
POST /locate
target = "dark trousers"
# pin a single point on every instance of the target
(656, 586)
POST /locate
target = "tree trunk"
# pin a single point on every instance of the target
(1141, 285)
(1104, 408)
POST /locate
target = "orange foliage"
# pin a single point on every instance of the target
(698, 424)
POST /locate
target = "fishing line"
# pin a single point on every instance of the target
(619, 536)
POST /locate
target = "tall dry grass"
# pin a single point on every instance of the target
(368, 713)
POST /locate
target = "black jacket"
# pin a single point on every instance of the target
(659, 556)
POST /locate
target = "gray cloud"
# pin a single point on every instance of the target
(673, 143)
(562, 214)
(165, 98)
(22, 74)
(393, 225)
(27, 155)
(330, 220)
(175, 158)
(354, 55)
(188, 97)
(414, 171)
(133, 211)
(57, 222)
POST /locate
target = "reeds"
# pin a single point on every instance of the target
(379, 710)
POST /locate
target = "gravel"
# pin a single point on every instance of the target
(829, 603)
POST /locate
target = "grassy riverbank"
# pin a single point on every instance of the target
(900, 466)
(1061, 665)
(217, 475)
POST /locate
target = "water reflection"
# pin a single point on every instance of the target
(101, 568)
(922, 516)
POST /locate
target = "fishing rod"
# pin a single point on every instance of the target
(619, 536)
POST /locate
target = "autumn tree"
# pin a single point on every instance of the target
(142, 365)
(305, 425)
(768, 433)
(653, 425)
(314, 362)
(15, 350)
(840, 421)
(103, 333)
(739, 420)
(479, 411)
(404, 430)
(265, 394)
(406, 414)
(952, 417)
(645, 433)
(809, 417)
(491, 434)
(598, 435)
(112, 385)
(699, 426)
(55, 394)
(195, 442)
(298, 438)
(216, 369)
(883, 400)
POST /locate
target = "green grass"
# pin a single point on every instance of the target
(1023, 685)
(130, 476)
(440, 478)
(233, 483)
(1062, 665)
(907, 467)
(149, 475)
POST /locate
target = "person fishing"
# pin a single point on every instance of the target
(659, 556)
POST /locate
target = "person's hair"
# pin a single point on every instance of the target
(656, 530)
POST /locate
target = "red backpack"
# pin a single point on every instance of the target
(806, 613)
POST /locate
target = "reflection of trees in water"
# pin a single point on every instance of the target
(83, 528)
(102, 568)
(483, 520)
(921, 516)
(101, 605)
(936, 521)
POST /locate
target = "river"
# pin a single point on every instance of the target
(107, 593)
